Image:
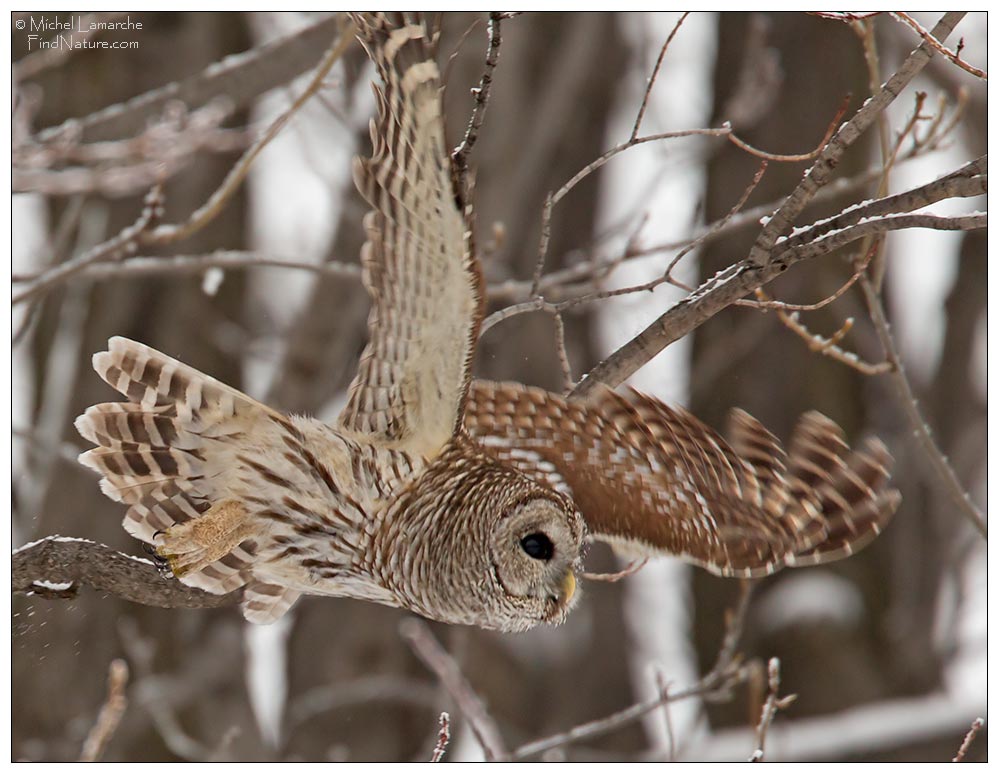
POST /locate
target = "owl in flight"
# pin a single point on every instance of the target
(463, 501)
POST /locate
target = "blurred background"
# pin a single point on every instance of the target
(886, 650)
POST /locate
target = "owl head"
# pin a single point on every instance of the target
(534, 551)
(477, 542)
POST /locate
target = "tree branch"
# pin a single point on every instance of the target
(725, 673)
(828, 160)
(459, 156)
(57, 566)
(142, 233)
(240, 78)
(439, 661)
(932, 456)
(734, 282)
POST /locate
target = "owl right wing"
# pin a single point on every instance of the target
(650, 479)
(418, 264)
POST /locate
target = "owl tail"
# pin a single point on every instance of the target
(169, 454)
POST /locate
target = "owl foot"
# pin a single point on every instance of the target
(162, 565)
(193, 545)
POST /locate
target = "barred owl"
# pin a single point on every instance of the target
(465, 502)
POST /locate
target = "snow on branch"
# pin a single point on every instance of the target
(58, 566)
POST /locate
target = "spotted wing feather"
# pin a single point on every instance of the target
(649, 478)
(418, 264)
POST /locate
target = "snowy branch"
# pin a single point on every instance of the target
(58, 566)
(731, 284)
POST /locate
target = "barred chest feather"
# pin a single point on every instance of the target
(319, 504)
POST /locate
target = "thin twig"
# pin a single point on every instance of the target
(822, 170)
(725, 673)
(962, 751)
(459, 156)
(718, 225)
(443, 737)
(535, 305)
(663, 687)
(794, 157)
(110, 715)
(932, 455)
(207, 212)
(828, 346)
(417, 634)
(940, 47)
(141, 232)
(763, 302)
(562, 353)
(239, 78)
(227, 260)
(614, 577)
(554, 198)
(655, 74)
(117, 247)
(844, 16)
(770, 707)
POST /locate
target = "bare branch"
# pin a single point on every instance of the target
(443, 737)
(141, 234)
(844, 16)
(146, 266)
(725, 673)
(976, 726)
(828, 346)
(736, 281)
(879, 225)
(934, 459)
(663, 687)
(110, 715)
(122, 167)
(562, 353)
(655, 74)
(58, 566)
(614, 577)
(114, 249)
(770, 707)
(938, 46)
(763, 302)
(207, 212)
(459, 156)
(793, 157)
(440, 662)
(240, 78)
(554, 198)
(828, 160)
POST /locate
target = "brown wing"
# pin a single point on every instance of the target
(652, 479)
(424, 281)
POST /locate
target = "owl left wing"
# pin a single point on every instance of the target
(418, 263)
(650, 479)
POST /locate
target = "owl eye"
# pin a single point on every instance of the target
(538, 545)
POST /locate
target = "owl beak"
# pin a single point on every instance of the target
(568, 587)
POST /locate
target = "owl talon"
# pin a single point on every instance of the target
(161, 563)
(191, 546)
